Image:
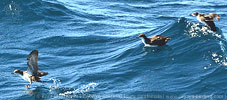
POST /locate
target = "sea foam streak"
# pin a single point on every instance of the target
(82, 89)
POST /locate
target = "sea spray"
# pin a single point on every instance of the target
(83, 89)
(56, 84)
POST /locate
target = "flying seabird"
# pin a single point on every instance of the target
(157, 40)
(32, 74)
(207, 19)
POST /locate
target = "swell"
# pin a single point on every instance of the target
(187, 38)
(97, 55)
(125, 57)
(33, 10)
(97, 47)
(197, 49)
(122, 59)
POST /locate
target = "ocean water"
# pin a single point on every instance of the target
(91, 50)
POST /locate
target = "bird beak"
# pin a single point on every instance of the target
(12, 73)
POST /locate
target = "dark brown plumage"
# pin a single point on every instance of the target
(155, 40)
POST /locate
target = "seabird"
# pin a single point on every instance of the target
(32, 74)
(207, 19)
(157, 40)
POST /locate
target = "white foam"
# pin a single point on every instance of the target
(195, 29)
(83, 89)
(219, 59)
(56, 84)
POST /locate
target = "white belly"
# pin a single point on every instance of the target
(143, 41)
(200, 20)
(148, 45)
(26, 77)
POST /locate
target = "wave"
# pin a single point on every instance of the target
(187, 39)
(34, 10)
(96, 41)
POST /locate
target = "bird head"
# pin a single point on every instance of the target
(195, 14)
(141, 35)
(17, 72)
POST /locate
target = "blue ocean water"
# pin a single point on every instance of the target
(91, 50)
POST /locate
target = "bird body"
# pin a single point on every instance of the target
(157, 40)
(32, 74)
(207, 19)
(26, 76)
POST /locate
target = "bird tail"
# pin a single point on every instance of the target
(168, 38)
(213, 15)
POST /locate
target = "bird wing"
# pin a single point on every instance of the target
(213, 15)
(208, 18)
(32, 61)
(152, 39)
(202, 14)
(155, 39)
(211, 25)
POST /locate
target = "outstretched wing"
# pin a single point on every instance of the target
(211, 25)
(32, 61)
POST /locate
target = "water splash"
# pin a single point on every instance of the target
(197, 30)
(83, 89)
(12, 9)
(219, 59)
(56, 84)
(222, 48)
